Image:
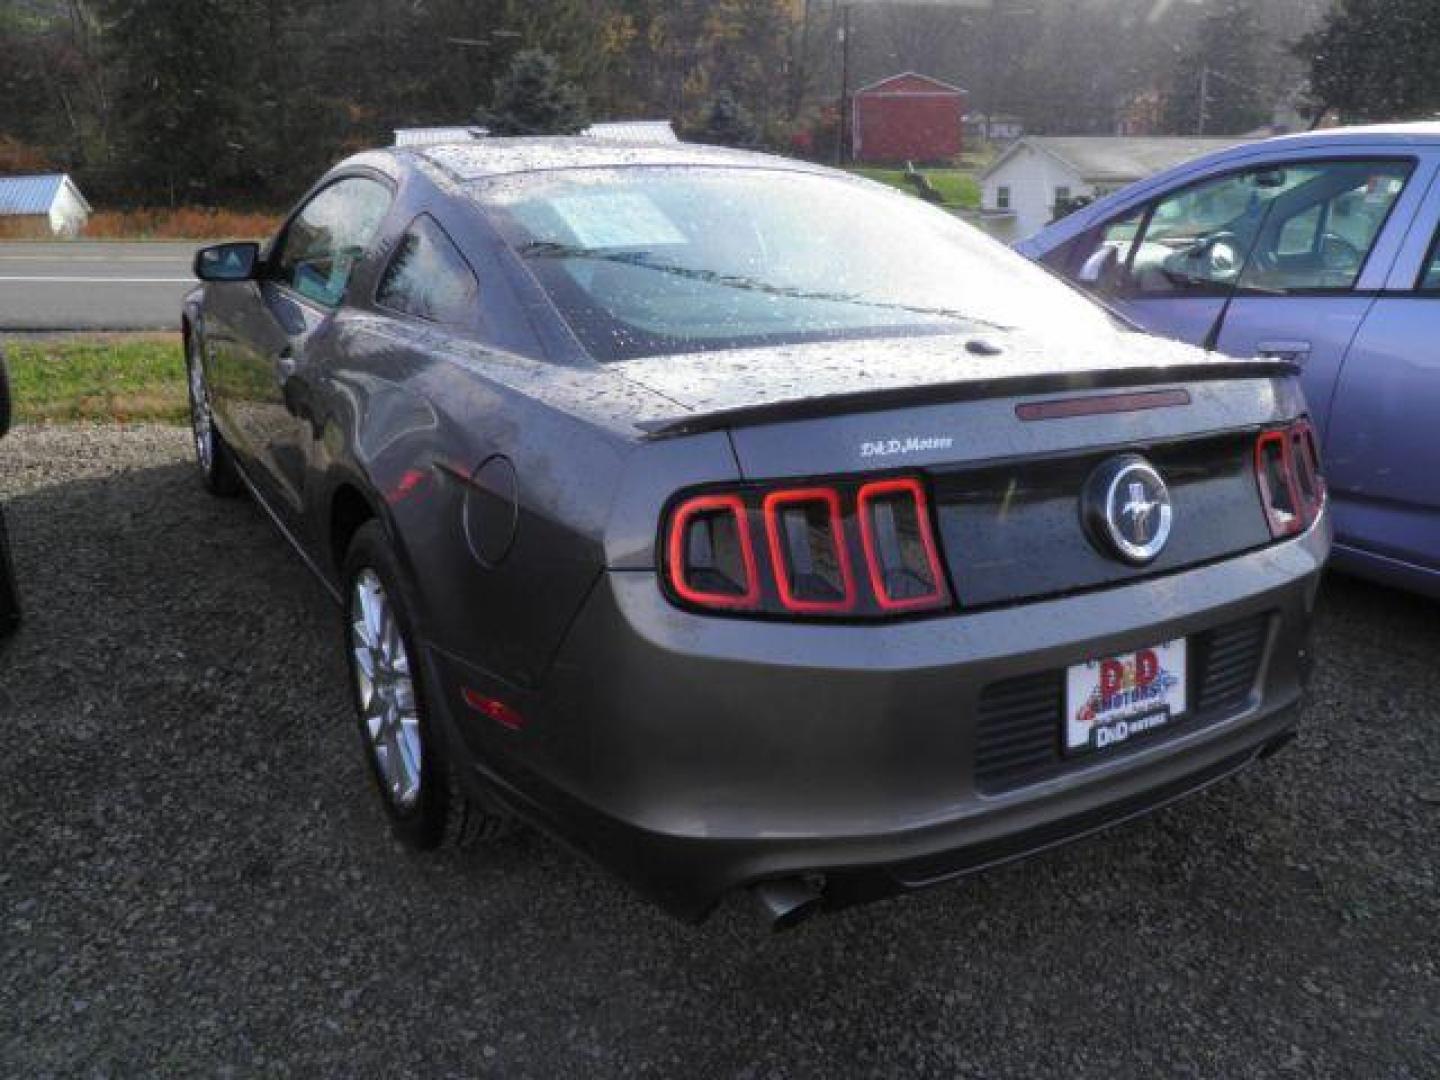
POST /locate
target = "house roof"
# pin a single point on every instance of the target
(1105, 159)
(879, 85)
(24, 195)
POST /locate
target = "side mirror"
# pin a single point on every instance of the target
(228, 262)
(1099, 270)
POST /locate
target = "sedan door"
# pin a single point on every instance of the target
(1279, 258)
(1316, 264)
(303, 282)
(1382, 453)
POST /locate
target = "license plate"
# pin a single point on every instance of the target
(1112, 700)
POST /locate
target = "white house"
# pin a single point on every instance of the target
(1021, 189)
(52, 202)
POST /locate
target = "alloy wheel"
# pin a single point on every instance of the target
(385, 689)
(201, 421)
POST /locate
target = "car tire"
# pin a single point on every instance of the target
(212, 456)
(415, 773)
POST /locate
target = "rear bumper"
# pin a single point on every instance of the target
(695, 755)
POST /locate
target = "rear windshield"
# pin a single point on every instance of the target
(646, 261)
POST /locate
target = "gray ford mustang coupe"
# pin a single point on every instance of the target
(747, 525)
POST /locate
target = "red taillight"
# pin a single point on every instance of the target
(899, 548)
(711, 555)
(808, 550)
(1287, 470)
(796, 550)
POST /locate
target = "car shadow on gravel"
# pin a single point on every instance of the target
(196, 877)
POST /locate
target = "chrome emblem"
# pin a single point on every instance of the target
(1138, 509)
(1128, 510)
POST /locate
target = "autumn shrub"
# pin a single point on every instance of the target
(180, 223)
(24, 228)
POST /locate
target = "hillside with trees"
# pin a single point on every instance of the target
(242, 102)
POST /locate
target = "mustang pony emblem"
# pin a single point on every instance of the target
(1139, 509)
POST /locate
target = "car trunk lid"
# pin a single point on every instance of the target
(1007, 456)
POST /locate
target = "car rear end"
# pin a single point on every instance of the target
(846, 648)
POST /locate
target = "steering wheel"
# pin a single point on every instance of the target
(1215, 258)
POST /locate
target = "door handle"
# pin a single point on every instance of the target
(1297, 352)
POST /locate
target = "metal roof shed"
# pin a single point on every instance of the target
(52, 201)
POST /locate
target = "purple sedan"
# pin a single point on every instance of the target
(1318, 248)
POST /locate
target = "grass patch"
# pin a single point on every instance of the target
(957, 187)
(111, 378)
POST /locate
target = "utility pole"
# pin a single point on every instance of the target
(843, 118)
(1204, 99)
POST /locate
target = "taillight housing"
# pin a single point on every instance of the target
(712, 554)
(829, 550)
(1287, 472)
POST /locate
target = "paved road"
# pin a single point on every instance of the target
(195, 879)
(93, 286)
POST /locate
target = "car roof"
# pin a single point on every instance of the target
(481, 159)
(1420, 131)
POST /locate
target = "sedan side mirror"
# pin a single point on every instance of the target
(228, 262)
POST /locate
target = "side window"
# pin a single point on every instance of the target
(1301, 233)
(1320, 233)
(329, 236)
(1274, 229)
(1197, 239)
(1430, 280)
(428, 277)
(1002, 198)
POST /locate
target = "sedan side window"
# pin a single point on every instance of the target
(1273, 229)
(1430, 280)
(1320, 234)
(428, 277)
(329, 236)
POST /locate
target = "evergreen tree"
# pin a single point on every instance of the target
(181, 96)
(1226, 65)
(533, 98)
(1376, 59)
(727, 123)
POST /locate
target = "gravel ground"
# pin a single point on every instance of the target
(195, 878)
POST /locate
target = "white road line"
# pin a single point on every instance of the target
(101, 280)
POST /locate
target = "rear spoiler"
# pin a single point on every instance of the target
(968, 390)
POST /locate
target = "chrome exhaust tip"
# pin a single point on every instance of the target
(787, 902)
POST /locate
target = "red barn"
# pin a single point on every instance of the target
(907, 117)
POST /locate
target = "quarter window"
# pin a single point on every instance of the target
(428, 277)
(1430, 281)
(1275, 229)
(327, 239)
